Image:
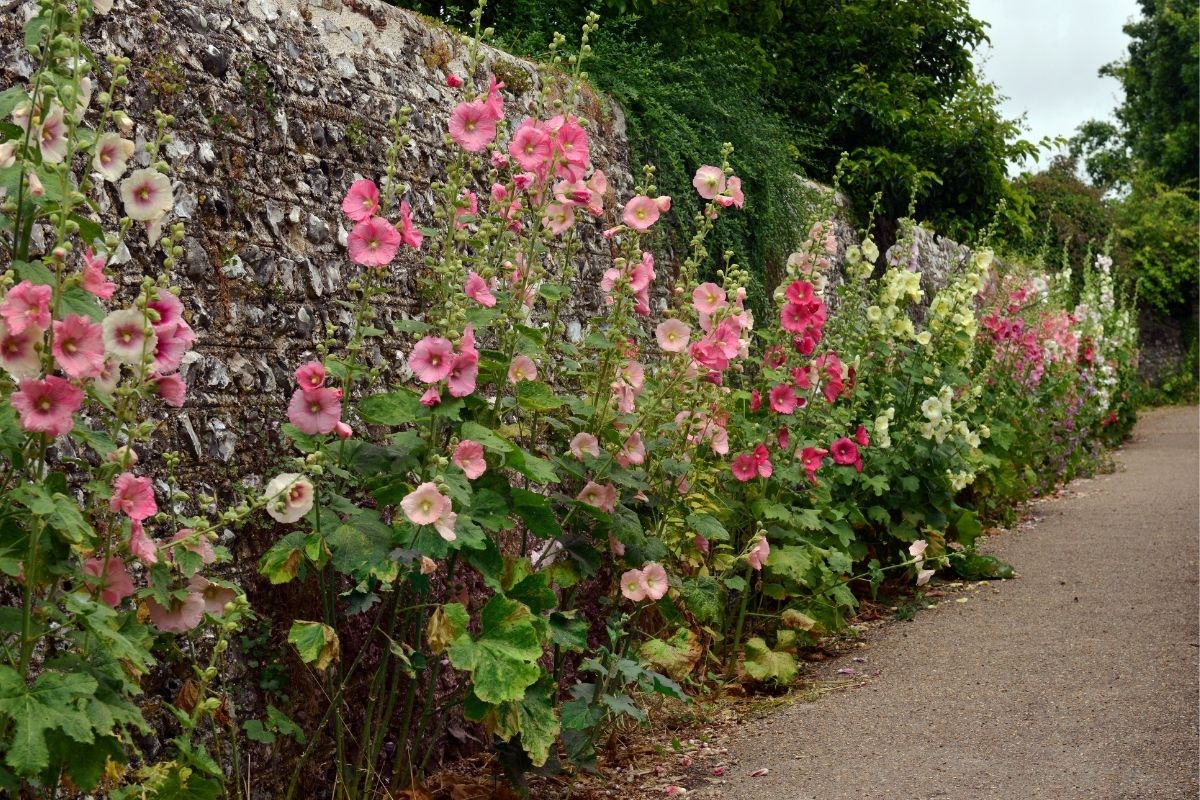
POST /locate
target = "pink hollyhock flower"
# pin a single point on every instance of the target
(701, 543)
(584, 443)
(411, 236)
(755, 400)
(616, 546)
(463, 376)
(524, 180)
(146, 195)
(744, 467)
(316, 410)
(199, 545)
(654, 580)
(708, 298)
(453, 81)
(640, 213)
(93, 279)
(759, 554)
(495, 102)
(673, 335)
(558, 217)
(425, 505)
(446, 525)
(171, 389)
(215, 597)
(180, 617)
(924, 575)
(710, 355)
(812, 459)
(133, 496)
(530, 147)
(288, 497)
(432, 359)
(633, 451)
(601, 496)
(472, 126)
(310, 376)
(709, 181)
(431, 398)
(663, 202)
(467, 206)
(917, 548)
(571, 141)
(733, 193)
(626, 398)
(634, 374)
(468, 457)
(112, 156)
(762, 461)
(862, 437)
(52, 138)
(597, 187)
(342, 430)
(373, 242)
(27, 306)
(783, 399)
(361, 201)
(845, 453)
(111, 578)
(46, 405)
(167, 308)
(141, 546)
(574, 193)
(522, 369)
(500, 160)
(174, 341)
(632, 586)
(783, 438)
(79, 346)
(127, 337)
(477, 289)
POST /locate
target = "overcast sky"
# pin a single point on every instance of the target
(1044, 56)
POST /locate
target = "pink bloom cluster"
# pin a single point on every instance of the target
(434, 359)
(635, 277)
(473, 124)
(648, 583)
(803, 316)
(712, 184)
(374, 242)
(316, 408)
(747, 466)
(426, 505)
(724, 324)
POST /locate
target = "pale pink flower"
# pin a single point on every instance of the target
(477, 289)
(112, 156)
(924, 575)
(128, 337)
(141, 546)
(52, 138)
(468, 457)
(709, 181)
(342, 430)
(445, 526)
(633, 452)
(597, 186)
(146, 195)
(626, 397)
(428, 565)
(361, 201)
(133, 496)
(181, 617)
(616, 546)
(640, 213)
(310, 376)
(558, 217)
(373, 242)
(654, 579)
(110, 577)
(171, 389)
(917, 549)
(432, 397)
(27, 306)
(732, 195)
(634, 374)
(8, 153)
(46, 405)
(663, 202)
(759, 554)
(472, 126)
(93, 280)
(602, 496)
(522, 369)
(200, 545)
(36, 188)
(315, 411)
(632, 586)
(432, 359)
(288, 497)
(584, 443)
(708, 298)
(425, 505)
(215, 597)
(530, 147)
(673, 335)
(411, 236)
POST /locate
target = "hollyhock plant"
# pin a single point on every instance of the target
(133, 496)
(640, 213)
(315, 411)
(845, 452)
(361, 201)
(47, 406)
(373, 242)
(468, 456)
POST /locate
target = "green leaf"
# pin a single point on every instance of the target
(535, 510)
(282, 562)
(400, 407)
(536, 469)
(362, 548)
(257, 733)
(676, 656)
(485, 436)
(568, 631)
(968, 528)
(58, 510)
(537, 396)
(54, 701)
(75, 300)
(534, 591)
(11, 98)
(764, 664)
(792, 563)
(284, 724)
(445, 625)
(503, 660)
(538, 721)
(708, 526)
(316, 643)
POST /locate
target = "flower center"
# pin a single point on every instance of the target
(70, 347)
(143, 194)
(44, 404)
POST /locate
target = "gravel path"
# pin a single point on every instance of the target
(1078, 680)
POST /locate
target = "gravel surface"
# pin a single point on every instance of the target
(1078, 680)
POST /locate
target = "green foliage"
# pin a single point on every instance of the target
(1158, 236)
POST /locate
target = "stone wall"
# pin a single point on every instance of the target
(280, 104)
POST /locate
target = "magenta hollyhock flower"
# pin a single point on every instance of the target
(812, 459)
(310, 376)
(632, 586)
(199, 545)
(167, 307)
(78, 346)
(288, 497)
(171, 389)
(133, 496)
(762, 461)
(146, 195)
(522, 369)
(425, 505)
(432, 359)
(759, 554)
(141, 546)
(180, 617)
(783, 438)
(46, 405)
(126, 336)
(361, 201)
(584, 443)
(215, 597)
(783, 399)
(654, 580)
(845, 453)
(472, 126)
(373, 242)
(412, 237)
(571, 141)
(453, 81)
(495, 102)
(94, 280)
(110, 577)
(468, 457)
(673, 335)
(174, 340)
(640, 213)
(744, 467)
(477, 289)
(530, 147)
(27, 306)
(862, 437)
(708, 298)
(601, 496)
(709, 181)
(709, 355)
(755, 400)
(315, 411)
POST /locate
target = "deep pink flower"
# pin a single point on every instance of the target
(709, 355)
(783, 399)
(755, 400)
(133, 496)
(141, 546)
(783, 438)
(173, 340)
(93, 279)
(462, 378)
(495, 102)
(845, 452)
(110, 577)
(27, 306)
(412, 237)
(468, 457)
(762, 461)
(709, 181)
(79, 346)
(431, 398)
(46, 405)
(862, 437)
(373, 242)
(432, 359)
(477, 289)
(171, 389)
(473, 126)
(342, 430)
(812, 459)
(310, 376)
(315, 411)
(640, 213)
(361, 201)
(453, 81)
(180, 617)
(571, 142)
(744, 467)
